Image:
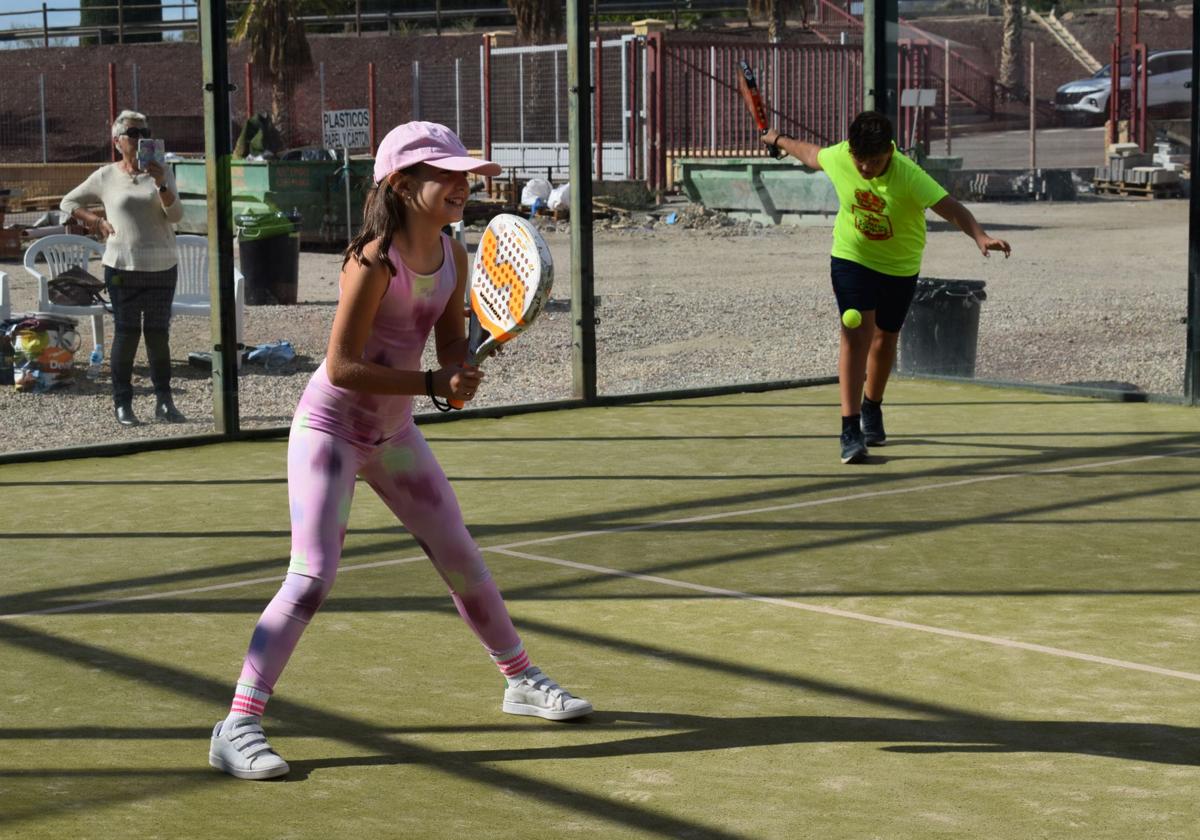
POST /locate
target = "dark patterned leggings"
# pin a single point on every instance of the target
(141, 302)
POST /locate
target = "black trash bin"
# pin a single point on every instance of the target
(269, 251)
(942, 329)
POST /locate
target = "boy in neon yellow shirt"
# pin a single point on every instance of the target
(878, 242)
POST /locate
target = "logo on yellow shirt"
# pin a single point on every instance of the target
(869, 218)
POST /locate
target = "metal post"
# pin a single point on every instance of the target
(557, 90)
(485, 95)
(629, 105)
(120, 24)
(947, 97)
(521, 98)
(42, 100)
(437, 22)
(1032, 76)
(879, 58)
(598, 87)
(135, 87)
(112, 104)
(45, 27)
(712, 98)
(372, 123)
(321, 79)
(457, 96)
(214, 28)
(1114, 97)
(416, 90)
(583, 312)
(346, 173)
(1191, 375)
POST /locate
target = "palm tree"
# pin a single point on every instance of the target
(1012, 65)
(278, 49)
(775, 11)
(538, 21)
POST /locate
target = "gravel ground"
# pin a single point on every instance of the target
(1095, 292)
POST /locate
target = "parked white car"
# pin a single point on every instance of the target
(1168, 86)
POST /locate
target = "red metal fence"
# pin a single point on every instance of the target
(694, 108)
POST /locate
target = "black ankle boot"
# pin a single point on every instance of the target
(167, 412)
(125, 415)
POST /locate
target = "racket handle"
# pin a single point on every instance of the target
(454, 401)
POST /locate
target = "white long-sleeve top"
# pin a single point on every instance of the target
(142, 239)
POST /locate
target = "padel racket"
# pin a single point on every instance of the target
(511, 279)
(748, 86)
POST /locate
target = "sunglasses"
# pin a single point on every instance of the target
(137, 133)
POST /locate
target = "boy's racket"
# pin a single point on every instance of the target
(748, 86)
(511, 279)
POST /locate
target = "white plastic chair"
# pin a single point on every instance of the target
(62, 251)
(191, 291)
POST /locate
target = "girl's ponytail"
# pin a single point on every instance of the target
(383, 215)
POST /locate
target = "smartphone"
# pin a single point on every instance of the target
(150, 149)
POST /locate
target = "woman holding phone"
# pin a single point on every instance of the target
(140, 262)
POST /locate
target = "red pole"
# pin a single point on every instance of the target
(487, 105)
(1114, 99)
(598, 83)
(660, 104)
(371, 103)
(249, 90)
(1137, 83)
(112, 103)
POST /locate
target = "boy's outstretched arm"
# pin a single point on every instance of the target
(952, 211)
(806, 153)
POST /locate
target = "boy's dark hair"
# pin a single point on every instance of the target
(870, 134)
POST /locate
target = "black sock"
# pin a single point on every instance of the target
(868, 401)
(851, 422)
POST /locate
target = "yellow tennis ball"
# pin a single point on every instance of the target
(852, 318)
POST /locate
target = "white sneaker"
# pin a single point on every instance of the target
(240, 748)
(538, 695)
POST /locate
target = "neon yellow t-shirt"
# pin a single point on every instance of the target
(881, 222)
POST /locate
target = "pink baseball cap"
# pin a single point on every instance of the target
(426, 142)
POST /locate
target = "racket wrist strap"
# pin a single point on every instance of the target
(439, 404)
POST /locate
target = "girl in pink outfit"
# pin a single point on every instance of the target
(401, 277)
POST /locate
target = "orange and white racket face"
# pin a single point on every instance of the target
(511, 277)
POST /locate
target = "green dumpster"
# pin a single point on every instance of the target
(314, 188)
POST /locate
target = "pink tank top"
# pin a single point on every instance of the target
(409, 309)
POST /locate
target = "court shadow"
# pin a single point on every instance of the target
(1140, 742)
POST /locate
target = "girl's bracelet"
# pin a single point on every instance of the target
(437, 403)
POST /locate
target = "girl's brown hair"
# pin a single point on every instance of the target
(383, 215)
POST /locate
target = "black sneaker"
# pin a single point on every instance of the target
(872, 424)
(854, 449)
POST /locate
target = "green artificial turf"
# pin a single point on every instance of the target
(777, 645)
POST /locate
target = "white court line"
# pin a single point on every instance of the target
(873, 619)
(833, 500)
(508, 549)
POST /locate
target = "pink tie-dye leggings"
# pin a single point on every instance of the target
(403, 471)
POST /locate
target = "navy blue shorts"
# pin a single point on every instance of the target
(867, 290)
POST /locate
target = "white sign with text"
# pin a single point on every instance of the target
(346, 129)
